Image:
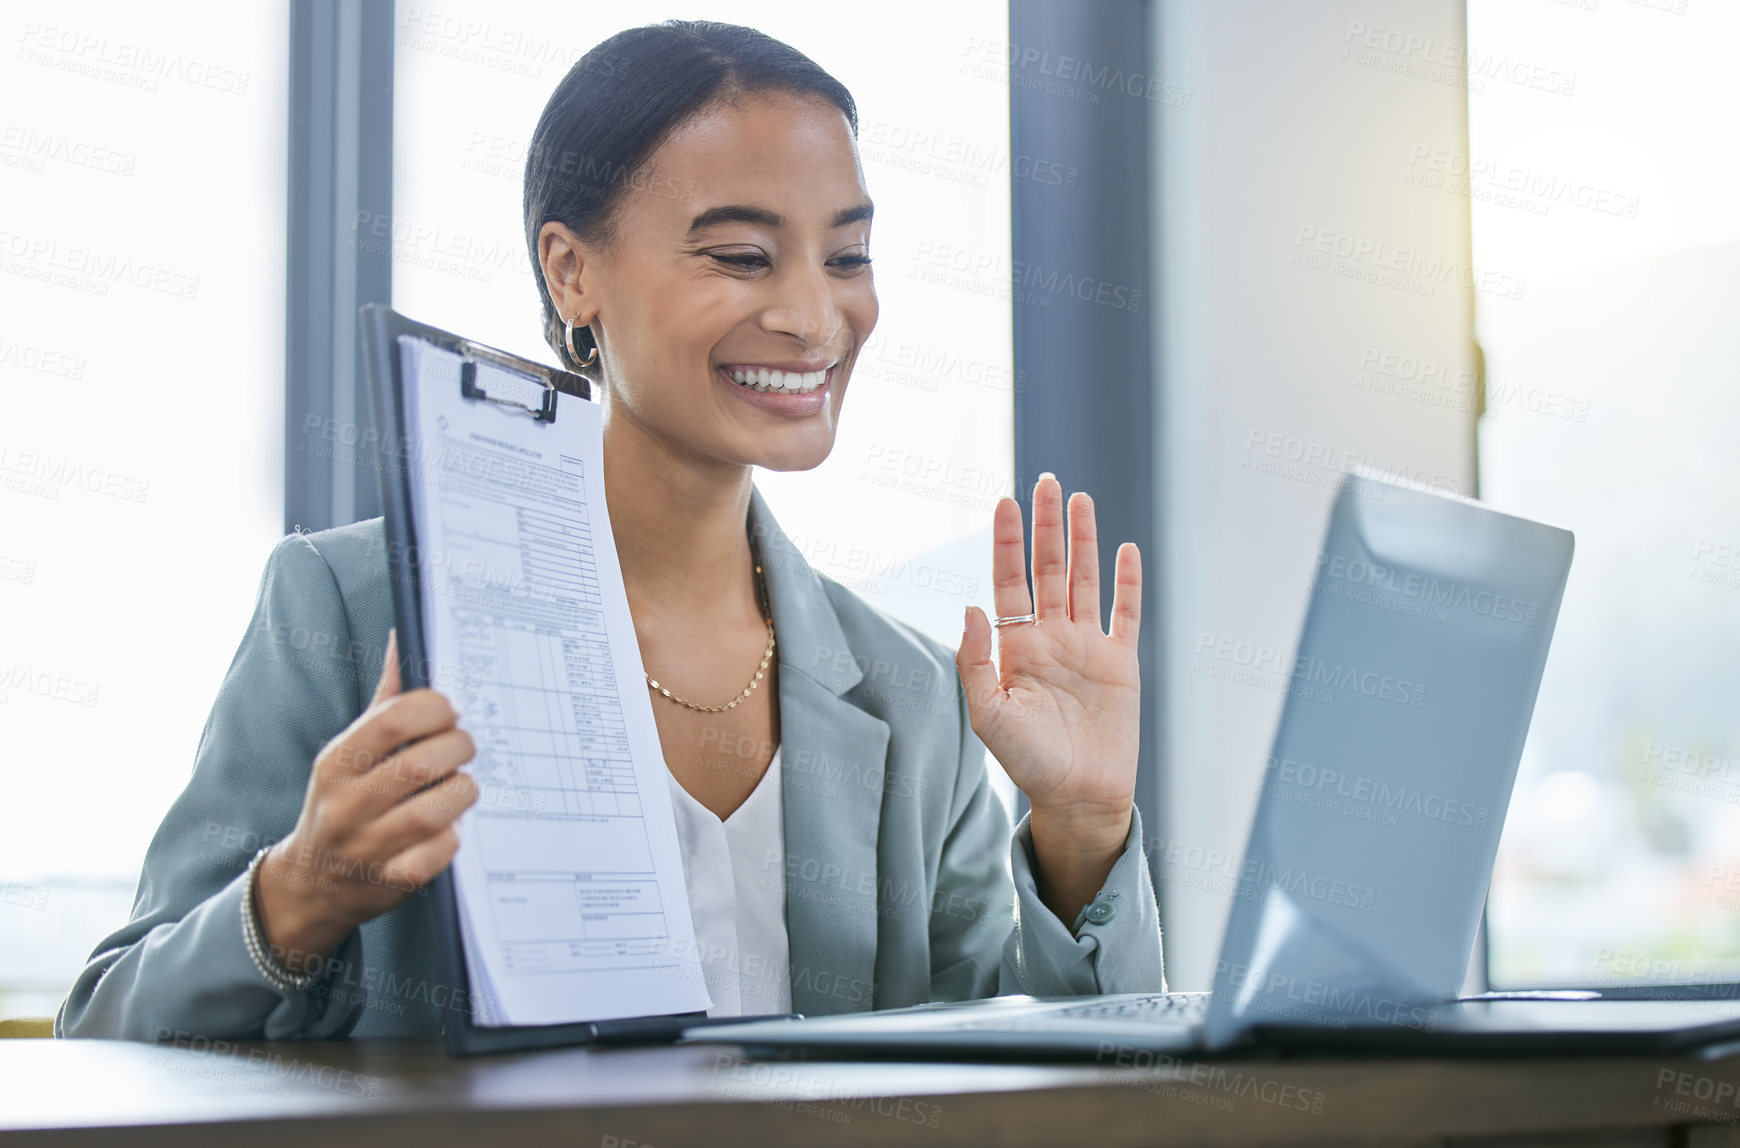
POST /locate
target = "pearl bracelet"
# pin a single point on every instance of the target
(276, 974)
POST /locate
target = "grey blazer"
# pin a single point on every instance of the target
(897, 891)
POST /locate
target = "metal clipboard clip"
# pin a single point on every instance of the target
(553, 381)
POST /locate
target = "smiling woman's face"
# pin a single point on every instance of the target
(741, 248)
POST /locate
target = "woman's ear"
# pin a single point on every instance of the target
(561, 258)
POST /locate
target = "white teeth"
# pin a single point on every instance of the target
(780, 382)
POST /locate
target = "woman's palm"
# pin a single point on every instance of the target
(1060, 708)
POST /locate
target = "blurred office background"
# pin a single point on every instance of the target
(1195, 256)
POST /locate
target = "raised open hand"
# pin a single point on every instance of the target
(1061, 707)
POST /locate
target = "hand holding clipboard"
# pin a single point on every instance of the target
(376, 824)
(564, 915)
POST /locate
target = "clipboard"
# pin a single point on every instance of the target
(382, 328)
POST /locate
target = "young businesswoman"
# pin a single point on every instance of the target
(697, 212)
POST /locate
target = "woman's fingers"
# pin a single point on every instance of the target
(417, 818)
(418, 865)
(1084, 560)
(1127, 595)
(384, 727)
(389, 685)
(1066, 572)
(404, 773)
(1009, 561)
(1050, 567)
(978, 674)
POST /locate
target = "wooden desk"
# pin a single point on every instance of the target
(401, 1092)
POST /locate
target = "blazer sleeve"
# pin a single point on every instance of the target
(180, 966)
(988, 938)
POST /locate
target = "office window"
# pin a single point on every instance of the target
(901, 511)
(1278, 364)
(1601, 171)
(141, 398)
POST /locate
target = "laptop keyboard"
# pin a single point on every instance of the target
(1180, 1010)
(1172, 1008)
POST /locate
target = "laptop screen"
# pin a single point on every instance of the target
(1392, 767)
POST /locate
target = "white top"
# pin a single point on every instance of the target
(735, 872)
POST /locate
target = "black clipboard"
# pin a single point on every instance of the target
(381, 328)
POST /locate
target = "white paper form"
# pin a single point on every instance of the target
(569, 877)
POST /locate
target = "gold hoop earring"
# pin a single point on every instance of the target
(572, 353)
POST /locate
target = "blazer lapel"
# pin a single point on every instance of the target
(833, 757)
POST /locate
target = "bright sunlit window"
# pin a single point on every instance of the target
(142, 169)
(1612, 399)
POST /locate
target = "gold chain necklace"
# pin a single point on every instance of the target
(767, 655)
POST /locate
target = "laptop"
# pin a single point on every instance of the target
(1374, 837)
